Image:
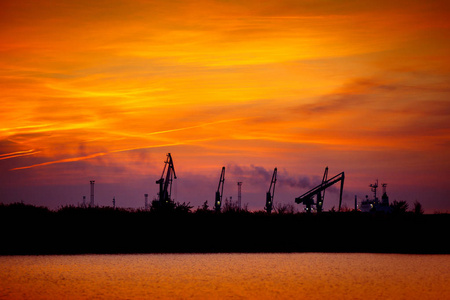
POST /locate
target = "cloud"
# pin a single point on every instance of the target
(357, 95)
(260, 176)
(18, 154)
(295, 181)
(100, 154)
(66, 160)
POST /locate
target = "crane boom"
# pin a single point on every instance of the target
(306, 198)
(324, 178)
(165, 182)
(219, 192)
(270, 194)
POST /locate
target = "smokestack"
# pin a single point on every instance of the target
(92, 193)
(84, 201)
(356, 203)
(239, 194)
(146, 201)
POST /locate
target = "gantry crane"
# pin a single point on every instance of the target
(165, 182)
(307, 198)
(219, 192)
(271, 192)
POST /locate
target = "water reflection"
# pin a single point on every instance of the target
(226, 276)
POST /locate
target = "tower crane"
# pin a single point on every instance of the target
(219, 192)
(165, 182)
(307, 198)
(271, 192)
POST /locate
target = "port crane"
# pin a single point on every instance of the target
(219, 192)
(324, 178)
(319, 192)
(271, 192)
(165, 182)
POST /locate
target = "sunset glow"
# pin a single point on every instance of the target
(104, 89)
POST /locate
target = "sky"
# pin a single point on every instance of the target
(103, 90)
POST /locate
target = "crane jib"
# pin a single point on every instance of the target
(306, 198)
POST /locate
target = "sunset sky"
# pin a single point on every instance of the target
(102, 90)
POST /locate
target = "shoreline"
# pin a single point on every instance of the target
(39, 231)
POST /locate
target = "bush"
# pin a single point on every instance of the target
(399, 207)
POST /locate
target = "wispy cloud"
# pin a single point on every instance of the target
(94, 155)
(195, 126)
(66, 160)
(18, 154)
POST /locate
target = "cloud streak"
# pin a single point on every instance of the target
(18, 154)
(195, 126)
(94, 155)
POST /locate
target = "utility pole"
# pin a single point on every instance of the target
(239, 194)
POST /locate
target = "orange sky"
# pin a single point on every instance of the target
(103, 89)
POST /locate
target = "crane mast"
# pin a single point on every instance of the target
(219, 192)
(271, 192)
(307, 198)
(322, 196)
(165, 182)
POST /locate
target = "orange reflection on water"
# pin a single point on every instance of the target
(225, 276)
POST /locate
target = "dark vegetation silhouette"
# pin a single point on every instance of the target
(418, 210)
(170, 207)
(399, 207)
(281, 208)
(176, 228)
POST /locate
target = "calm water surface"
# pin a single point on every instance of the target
(226, 276)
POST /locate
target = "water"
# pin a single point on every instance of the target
(226, 276)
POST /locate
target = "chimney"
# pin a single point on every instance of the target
(92, 194)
